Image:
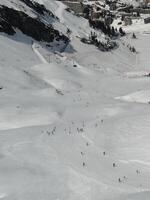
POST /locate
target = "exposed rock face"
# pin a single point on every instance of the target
(11, 19)
(5, 26)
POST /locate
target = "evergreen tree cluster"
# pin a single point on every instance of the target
(103, 46)
(106, 29)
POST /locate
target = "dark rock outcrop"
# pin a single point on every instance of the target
(6, 27)
(11, 19)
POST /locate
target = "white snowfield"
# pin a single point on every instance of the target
(74, 125)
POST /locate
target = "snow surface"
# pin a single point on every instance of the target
(65, 118)
(135, 3)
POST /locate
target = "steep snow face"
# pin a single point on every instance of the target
(28, 7)
(32, 19)
(31, 8)
(67, 128)
(79, 26)
(18, 5)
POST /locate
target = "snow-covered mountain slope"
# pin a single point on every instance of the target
(74, 125)
(32, 19)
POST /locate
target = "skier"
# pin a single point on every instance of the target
(114, 165)
(119, 180)
(68, 32)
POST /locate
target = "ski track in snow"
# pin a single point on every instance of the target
(60, 10)
(35, 49)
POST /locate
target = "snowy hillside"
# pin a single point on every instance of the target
(32, 19)
(74, 121)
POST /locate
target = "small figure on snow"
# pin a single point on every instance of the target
(119, 180)
(114, 165)
(134, 36)
(68, 31)
(87, 144)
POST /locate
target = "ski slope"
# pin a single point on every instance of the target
(74, 125)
